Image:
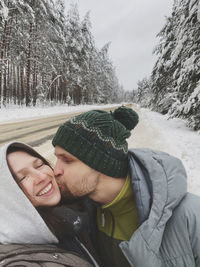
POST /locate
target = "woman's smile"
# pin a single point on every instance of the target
(47, 190)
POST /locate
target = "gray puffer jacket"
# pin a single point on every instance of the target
(169, 232)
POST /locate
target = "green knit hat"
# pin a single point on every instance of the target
(98, 139)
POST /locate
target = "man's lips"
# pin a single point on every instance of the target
(59, 184)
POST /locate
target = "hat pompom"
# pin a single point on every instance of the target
(126, 116)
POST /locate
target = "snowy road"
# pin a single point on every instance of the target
(32, 132)
(36, 131)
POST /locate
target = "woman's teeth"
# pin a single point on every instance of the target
(45, 190)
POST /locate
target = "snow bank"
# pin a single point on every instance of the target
(179, 141)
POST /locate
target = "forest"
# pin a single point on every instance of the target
(49, 57)
(174, 85)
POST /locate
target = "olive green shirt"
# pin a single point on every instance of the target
(116, 222)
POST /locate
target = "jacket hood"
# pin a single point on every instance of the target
(20, 222)
(159, 182)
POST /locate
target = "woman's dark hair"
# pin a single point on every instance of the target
(15, 148)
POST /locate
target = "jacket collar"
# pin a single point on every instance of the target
(159, 183)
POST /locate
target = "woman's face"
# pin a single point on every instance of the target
(35, 178)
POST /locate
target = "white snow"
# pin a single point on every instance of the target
(188, 64)
(154, 131)
(4, 11)
(191, 100)
(173, 137)
(179, 47)
(198, 12)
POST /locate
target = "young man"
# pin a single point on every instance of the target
(144, 215)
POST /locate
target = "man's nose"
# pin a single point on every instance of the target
(58, 171)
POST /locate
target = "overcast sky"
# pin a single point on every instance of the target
(131, 26)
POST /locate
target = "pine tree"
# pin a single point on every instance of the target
(48, 57)
(176, 74)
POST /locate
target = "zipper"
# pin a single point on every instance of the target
(103, 221)
(87, 252)
(113, 224)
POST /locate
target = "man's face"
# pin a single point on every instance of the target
(74, 178)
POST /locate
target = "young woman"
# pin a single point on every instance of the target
(28, 191)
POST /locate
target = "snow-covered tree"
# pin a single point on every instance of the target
(47, 56)
(176, 74)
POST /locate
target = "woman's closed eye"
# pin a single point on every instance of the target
(21, 179)
(39, 164)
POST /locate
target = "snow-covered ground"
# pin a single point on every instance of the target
(172, 136)
(182, 142)
(154, 131)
